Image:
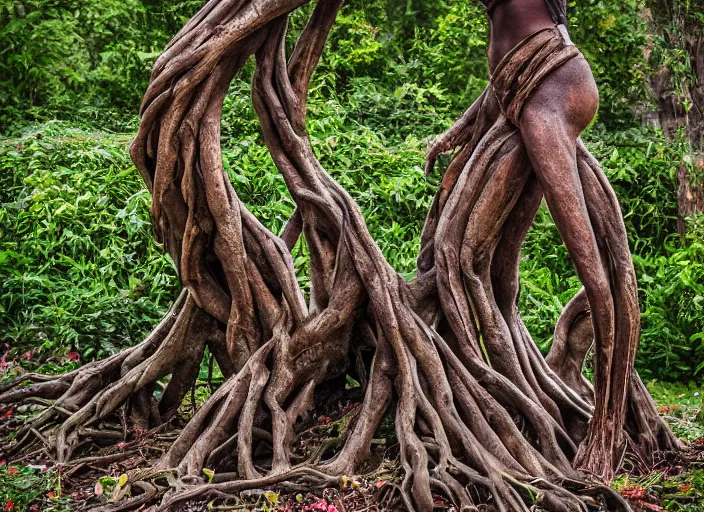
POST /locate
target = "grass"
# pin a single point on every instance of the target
(683, 407)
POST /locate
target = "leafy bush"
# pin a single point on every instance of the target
(672, 298)
(78, 268)
(60, 57)
(42, 57)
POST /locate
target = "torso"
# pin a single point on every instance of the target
(511, 21)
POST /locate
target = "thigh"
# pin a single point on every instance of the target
(551, 123)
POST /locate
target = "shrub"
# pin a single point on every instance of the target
(78, 268)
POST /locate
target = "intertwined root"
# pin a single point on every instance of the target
(480, 416)
(85, 397)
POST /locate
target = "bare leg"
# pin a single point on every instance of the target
(551, 124)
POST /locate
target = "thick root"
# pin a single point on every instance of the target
(99, 389)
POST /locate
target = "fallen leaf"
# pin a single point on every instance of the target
(272, 497)
(348, 483)
(4, 364)
(51, 495)
(12, 471)
(380, 483)
(321, 505)
(170, 479)
(7, 414)
(633, 492)
(122, 480)
(209, 473)
(99, 491)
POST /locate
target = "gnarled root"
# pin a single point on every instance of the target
(86, 396)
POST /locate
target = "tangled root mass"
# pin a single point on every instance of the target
(487, 434)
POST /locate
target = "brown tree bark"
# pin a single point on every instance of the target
(481, 417)
(680, 97)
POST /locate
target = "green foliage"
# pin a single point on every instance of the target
(58, 57)
(41, 55)
(31, 488)
(672, 295)
(78, 268)
(612, 37)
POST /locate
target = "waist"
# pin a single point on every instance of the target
(503, 39)
(501, 50)
(526, 65)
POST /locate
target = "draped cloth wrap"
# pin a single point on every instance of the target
(497, 110)
(525, 67)
(473, 234)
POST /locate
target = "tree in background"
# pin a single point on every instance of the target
(678, 88)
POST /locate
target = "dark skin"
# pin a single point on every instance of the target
(511, 22)
(551, 124)
(553, 119)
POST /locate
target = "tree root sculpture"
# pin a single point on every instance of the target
(481, 417)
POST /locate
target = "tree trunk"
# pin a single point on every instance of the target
(680, 99)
